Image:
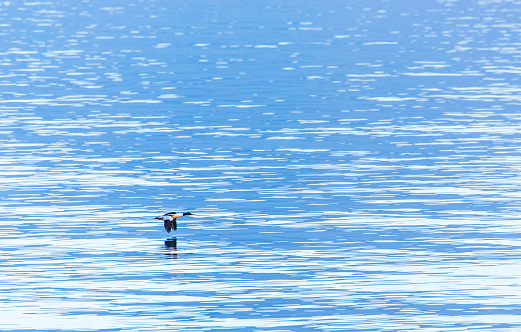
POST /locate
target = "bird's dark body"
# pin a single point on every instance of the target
(170, 219)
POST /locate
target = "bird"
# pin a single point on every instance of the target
(170, 219)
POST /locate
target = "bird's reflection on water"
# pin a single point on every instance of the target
(171, 244)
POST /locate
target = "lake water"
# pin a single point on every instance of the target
(351, 166)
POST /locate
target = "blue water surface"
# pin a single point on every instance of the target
(351, 165)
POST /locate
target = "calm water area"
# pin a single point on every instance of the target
(350, 165)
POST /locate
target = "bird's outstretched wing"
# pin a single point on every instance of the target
(170, 224)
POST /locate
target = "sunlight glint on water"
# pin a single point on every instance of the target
(350, 167)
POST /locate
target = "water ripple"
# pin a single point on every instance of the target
(349, 168)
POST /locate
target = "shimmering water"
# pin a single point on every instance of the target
(351, 166)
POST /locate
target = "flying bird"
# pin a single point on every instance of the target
(170, 219)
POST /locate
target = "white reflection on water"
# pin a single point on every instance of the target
(348, 167)
(334, 278)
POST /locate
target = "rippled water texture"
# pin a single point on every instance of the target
(351, 166)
